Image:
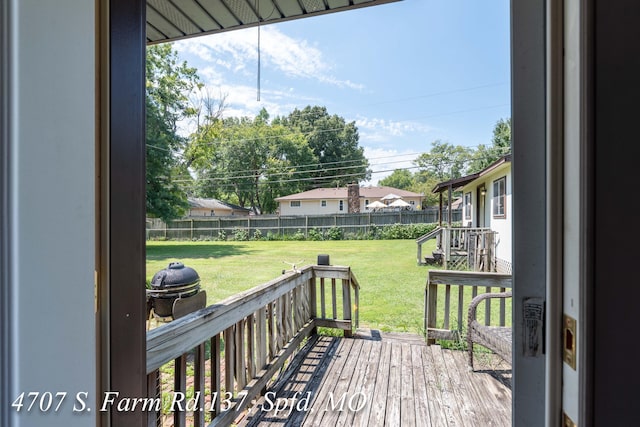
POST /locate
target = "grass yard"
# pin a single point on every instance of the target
(392, 284)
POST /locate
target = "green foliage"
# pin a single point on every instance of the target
(315, 235)
(222, 236)
(334, 233)
(445, 161)
(250, 161)
(167, 84)
(406, 231)
(240, 234)
(271, 236)
(400, 178)
(298, 235)
(257, 235)
(501, 145)
(334, 143)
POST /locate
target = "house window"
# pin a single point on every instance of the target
(341, 205)
(295, 203)
(323, 203)
(467, 206)
(499, 197)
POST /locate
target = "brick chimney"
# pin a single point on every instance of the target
(353, 195)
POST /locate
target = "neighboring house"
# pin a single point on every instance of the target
(212, 207)
(486, 202)
(336, 200)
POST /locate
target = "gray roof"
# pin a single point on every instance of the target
(196, 202)
(180, 19)
(341, 193)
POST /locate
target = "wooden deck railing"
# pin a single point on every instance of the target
(461, 247)
(255, 332)
(468, 284)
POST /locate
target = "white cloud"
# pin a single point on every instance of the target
(237, 51)
(390, 128)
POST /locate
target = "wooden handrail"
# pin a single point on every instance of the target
(249, 337)
(448, 238)
(478, 282)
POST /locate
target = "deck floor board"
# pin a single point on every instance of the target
(391, 380)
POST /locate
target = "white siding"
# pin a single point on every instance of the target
(312, 207)
(52, 131)
(502, 225)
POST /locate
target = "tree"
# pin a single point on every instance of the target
(445, 161)
(400, 178)
(168, 83)
(500, 145)
(335, 144)
(502, 136)
(252, 161)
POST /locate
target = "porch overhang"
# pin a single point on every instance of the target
(454, 184)
(169, 20)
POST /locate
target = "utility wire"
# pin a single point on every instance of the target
(195, 181)
(341, 128)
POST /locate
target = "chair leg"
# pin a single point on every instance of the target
(470, 350)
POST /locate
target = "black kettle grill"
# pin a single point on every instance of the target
(167, 285)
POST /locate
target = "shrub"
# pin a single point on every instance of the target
(334, 233)
(298, 235)
(315, 234)
(272, 236)
(222, 235)
(240, 234)
(257, 235)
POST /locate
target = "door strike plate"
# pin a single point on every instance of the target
(569, 341)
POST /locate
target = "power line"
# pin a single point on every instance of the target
(319, 167)
(332, 177)
(264, 138)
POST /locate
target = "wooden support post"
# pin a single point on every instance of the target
(154, 392)
(346, 306)
(449, 213)
(431, 308)
(180, 386)
(241, 377)
(198, 384)
(215, 374)
(229, 364)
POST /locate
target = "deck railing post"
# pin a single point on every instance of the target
(346, 305)
(198, 384)
(180, 385)
(313, 304)
(154, 390)
(431, 309)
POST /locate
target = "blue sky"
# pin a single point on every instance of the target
(408, 73)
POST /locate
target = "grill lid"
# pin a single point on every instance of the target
(175, 275)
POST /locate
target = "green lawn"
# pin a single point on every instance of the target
(392, 284)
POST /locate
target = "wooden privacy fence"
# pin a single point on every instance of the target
(214, 227)
(242, 343)
(462, 286)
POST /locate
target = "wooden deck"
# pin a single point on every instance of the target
(386, 380)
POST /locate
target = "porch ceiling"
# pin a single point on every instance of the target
(169, 20)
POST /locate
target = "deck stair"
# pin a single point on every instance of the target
(460, 248)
